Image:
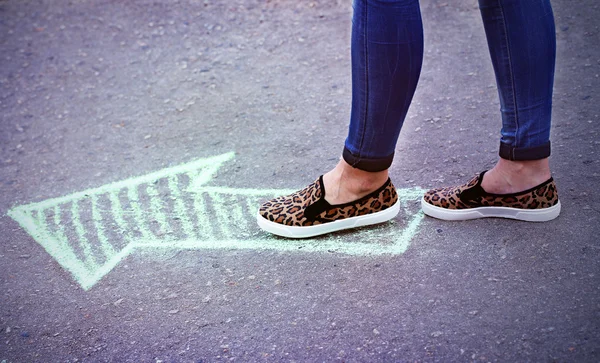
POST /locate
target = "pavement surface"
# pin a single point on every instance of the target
(153, 254)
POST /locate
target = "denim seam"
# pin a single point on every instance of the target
(512, 81)
(366, 103)
(408, 100)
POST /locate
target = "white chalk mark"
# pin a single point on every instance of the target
(223, 218)
(90, 259)
(180, 210)
(107, 248)
(157, 208)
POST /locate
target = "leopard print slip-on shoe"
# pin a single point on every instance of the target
(470, 201)
(306, 213)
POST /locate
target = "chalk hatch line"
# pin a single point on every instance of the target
(90, 232)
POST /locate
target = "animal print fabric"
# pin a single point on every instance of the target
(472, 195)
(290, 210)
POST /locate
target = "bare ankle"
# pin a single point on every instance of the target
(514, 170)
(513, 176)
(345, 183)
(361, 181)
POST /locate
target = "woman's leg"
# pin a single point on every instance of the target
(387, 53)
(522, 44)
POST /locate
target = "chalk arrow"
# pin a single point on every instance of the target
(89, 232)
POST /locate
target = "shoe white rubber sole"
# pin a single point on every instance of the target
(529, 215)
(319, 229)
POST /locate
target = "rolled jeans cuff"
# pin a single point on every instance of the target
(367, 164)
(512, 153)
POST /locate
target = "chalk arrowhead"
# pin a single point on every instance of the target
(89, 232)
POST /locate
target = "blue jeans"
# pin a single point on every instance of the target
(387, 53)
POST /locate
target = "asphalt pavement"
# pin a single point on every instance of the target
(138, 138)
